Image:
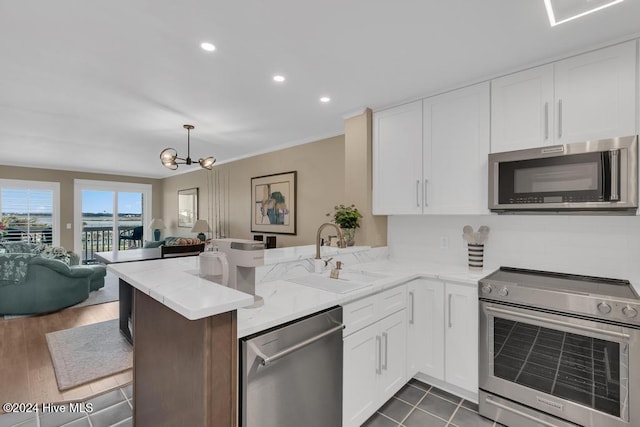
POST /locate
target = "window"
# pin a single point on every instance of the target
(29, 211)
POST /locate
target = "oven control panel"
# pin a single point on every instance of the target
(614, 309)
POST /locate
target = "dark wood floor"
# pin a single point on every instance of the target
(26, 370)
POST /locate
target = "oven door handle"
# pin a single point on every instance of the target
(618, 335)
(519, 413)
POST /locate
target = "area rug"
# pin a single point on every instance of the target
(108, 293)
(87, 353)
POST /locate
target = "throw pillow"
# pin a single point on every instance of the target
(56, 252)
(149, 244)
(181, 241)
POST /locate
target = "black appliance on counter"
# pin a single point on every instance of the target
(558, 350)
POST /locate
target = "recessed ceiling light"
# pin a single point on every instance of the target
(207, 46)
(278, 78)
(325, 99)
(563, 11)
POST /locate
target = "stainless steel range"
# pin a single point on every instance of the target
(558, 350)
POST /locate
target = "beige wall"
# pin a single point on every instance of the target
(66, 178)
(320, 167)
(358, 179)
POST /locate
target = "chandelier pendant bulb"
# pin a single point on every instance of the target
(169, 156)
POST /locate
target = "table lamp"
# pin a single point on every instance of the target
(156, 225)
(201, 226)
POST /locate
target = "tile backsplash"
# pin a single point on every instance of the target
(606, 246)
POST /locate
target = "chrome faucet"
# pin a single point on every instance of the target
(341, 242)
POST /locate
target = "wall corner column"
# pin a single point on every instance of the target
(358, 178)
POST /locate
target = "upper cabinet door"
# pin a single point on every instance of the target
(397, 160)
(522, 110)
(596, 94)
(456, 145)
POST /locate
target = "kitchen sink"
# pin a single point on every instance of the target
(347, 282)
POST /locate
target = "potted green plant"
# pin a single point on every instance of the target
(347, 218)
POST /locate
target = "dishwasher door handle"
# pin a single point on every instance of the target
(266, 360)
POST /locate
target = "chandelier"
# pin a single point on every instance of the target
(170, 160)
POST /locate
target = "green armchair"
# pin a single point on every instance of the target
(33, 282)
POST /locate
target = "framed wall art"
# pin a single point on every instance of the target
(273, 203)
(187, 207)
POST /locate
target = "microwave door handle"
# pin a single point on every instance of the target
(614, 162)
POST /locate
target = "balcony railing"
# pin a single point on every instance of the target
(94, 239)
(100, 239)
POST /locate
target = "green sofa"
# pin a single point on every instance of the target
(39, 279)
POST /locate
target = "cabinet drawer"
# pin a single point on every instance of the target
(358, 314)
(391, 301)
(364, 312)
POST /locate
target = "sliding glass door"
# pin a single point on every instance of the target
(110, 216)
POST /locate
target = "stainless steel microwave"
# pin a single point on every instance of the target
(593, 177)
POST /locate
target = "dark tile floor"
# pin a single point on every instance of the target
(112, 409)
(420, 405)
(416, 405)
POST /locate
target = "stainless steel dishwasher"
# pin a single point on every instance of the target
(292, 375)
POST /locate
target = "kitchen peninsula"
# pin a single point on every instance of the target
(185, 344)
(192, 360)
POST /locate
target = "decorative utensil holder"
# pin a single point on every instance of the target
(476, 255)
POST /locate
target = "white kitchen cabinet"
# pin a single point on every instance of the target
(393, 367)
(461, 336)
(424, 149)
(425, 328)
(442, 332)
(522, 109)
(360, 375)
(585, 97)
(374, 357)
(455, 147)
(595, 94)
(397, 160)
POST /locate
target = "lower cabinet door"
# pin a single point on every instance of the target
(393, 363)
(425, 328)
(361, 365)
(374, 367)
(461, 315)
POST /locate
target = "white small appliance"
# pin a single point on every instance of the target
(214, 266)
(244, 256)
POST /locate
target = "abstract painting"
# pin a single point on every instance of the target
(273, 203)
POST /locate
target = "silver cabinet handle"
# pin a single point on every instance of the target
(618, 335)
(266, 360)
(560, 118)
(417, 192)
(546, 121)
(519, 413)
(411, 307)
(426, 198)
(379, 351)
(614, 157)
(385, 337)
(450, 324)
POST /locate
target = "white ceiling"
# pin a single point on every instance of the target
(105, 86)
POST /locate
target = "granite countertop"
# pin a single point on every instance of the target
(175, 283)
(285, 301)
(293, 253)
